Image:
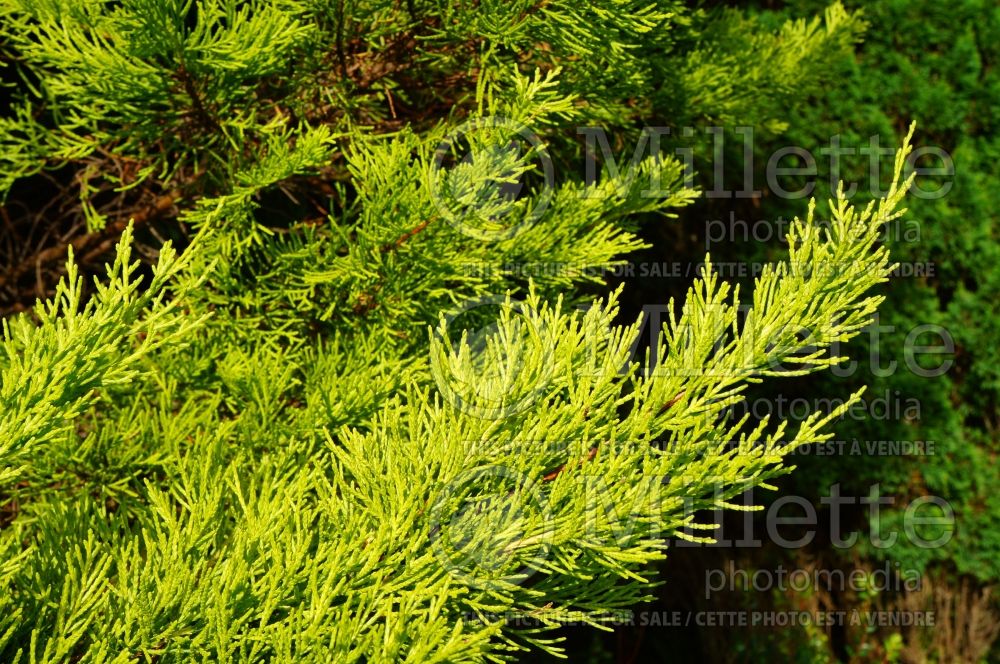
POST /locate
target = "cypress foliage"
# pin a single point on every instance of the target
(337, 426)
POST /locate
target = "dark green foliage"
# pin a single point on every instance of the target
(938, 66)
(936, 63)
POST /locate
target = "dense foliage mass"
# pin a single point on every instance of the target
(337, 424)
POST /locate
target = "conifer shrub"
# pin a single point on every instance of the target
(310, 410)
